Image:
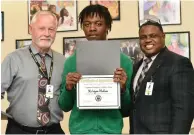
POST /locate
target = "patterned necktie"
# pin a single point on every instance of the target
(42, 62)
(142, 75)
(43, 113)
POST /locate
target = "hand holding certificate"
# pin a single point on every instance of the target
(98, 83)
(120, 76)
(72, 79)
(99, 87)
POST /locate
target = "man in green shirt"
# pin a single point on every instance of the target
(95, 21)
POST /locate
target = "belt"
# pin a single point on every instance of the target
(34, 130)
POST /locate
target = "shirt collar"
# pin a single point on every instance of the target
(153, 57)
(35, 52)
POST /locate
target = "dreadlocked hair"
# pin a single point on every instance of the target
(96, 9)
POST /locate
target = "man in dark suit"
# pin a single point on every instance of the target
(163, 96)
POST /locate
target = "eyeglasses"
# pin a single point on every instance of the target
(151, 19)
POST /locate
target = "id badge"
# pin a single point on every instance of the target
(49, 91)
(149, 88)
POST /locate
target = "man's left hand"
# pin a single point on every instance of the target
(121, 77)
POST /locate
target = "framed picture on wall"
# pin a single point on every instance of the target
(65, 11)
(178, 42)
(69, 45)
(112, 5)
(168, 11)
(23, 42)
(2, 26)
(130, 47)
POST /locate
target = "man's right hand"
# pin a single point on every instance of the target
(72, 79)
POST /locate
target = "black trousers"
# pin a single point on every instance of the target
(15, 128)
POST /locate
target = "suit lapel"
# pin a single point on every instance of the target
(155, 65)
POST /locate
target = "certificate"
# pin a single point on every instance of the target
(98, 92)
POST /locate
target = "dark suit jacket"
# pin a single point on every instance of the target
(170, 109)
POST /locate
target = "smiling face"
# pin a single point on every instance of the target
(43, 31)
(95, 27)
(151, 40)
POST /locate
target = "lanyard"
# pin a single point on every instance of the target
(51, 67)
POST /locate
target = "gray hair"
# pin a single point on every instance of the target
(43, 12)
